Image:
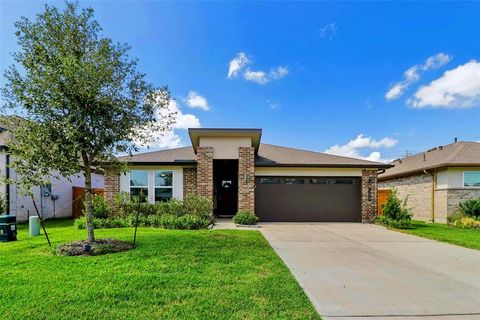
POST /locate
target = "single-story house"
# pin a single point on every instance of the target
(53, 200)
(237, 172)
(435, 181)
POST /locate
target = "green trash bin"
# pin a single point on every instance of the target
(8, 228)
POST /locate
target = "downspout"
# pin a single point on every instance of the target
(433, 194)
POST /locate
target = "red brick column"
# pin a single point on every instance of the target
(112, 185)
(205, 172)
(189, 181)
(246, 178)
(369, 195)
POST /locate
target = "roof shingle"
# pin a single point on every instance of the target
(268, 155)
(463, 153)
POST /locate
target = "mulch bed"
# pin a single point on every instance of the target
(99, 247)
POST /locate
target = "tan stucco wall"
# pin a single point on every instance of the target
(452, 177)
(309, 172)
(225, 147)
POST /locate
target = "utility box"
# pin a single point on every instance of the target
(34, 226)
(8, 228)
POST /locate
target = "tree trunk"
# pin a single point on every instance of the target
(88, 198)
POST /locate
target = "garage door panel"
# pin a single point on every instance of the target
(308, 201)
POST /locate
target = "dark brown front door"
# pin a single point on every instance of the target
(315, 199)
(225, 174)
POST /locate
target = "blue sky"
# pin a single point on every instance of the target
(311, 75)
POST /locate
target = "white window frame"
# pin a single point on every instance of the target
(130, 187)
(151, 183)
(162, 187)
(463, 182)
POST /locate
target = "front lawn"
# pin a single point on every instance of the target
(172, 274)
(469, 238)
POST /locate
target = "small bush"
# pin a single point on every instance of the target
(470, 208)
(100, 207)
(198, 206)
(245, 217)
(173, 206)
(99, 223)
(396, 214)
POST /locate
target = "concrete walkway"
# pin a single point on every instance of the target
(358, 271)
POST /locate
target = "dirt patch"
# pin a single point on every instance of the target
(99, 247)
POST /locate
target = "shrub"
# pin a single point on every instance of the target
(173, 206)
(245, 217)
(100, 207)
(98, 223)
(198, 206)
(470, 208)
(396, 214)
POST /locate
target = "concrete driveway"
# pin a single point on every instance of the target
(355, 271)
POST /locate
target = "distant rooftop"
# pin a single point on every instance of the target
(458, 154)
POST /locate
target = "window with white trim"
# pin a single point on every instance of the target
(163, 185)
(471, 178)
(139, 185)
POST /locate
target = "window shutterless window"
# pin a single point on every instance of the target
(163, 185)
(139, 185)
(471, 179)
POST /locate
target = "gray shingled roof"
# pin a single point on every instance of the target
(268, 155)
(457, 154)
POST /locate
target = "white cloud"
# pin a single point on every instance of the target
(195, 100)
(272, 105)
(412, 75)
(353, 147)
(436, 61)
(457, 88)
(237, 64)
(279, 72)
(262, 77)
(171, 139)
(328, 31)
(241, 60)
(259, 77)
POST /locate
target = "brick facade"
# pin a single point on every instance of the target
(189, 181)
(418, 189)
(246, 178)
(205, 172)
(112, 185)
(369, 195)
(457, 195)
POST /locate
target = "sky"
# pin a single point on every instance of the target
(374, 80)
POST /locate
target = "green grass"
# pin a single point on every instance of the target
(469, 238)
(172, 274)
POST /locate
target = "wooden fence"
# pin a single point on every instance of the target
(78, 198)
(382, 198)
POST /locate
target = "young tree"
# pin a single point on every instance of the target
(82, 98)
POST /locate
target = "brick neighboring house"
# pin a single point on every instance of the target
(237, 172)
(436, 180)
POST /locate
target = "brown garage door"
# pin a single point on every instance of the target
(325, 199)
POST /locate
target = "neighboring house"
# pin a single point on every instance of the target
(60, 189)
(237, 172)
(436, 181)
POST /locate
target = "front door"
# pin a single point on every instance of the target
(226, 187)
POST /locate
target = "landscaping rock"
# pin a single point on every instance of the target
(99, 247)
